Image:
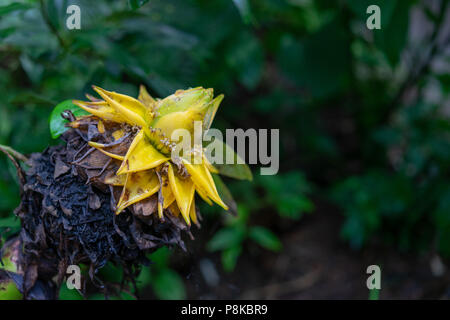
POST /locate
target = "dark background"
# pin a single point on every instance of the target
(364, 132)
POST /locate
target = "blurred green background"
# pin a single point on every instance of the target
(363, 114)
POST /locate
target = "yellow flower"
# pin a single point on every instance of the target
(147, 168)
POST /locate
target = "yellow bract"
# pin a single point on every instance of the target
(167, 193)
(183, 190)
(132, 110)
(146, 99)
(100, 147)
(101, 110)
(138, 186)
(180, 110)
(141, 156)
(147, 169)
(201, 176)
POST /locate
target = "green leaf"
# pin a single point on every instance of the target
(6, 32)
(69, 294)
(9, 222)
(8, 226)
(225, 193)
(444, 80)
(111, 273)
(57, 123)
(136, 4)
(168, 285)
(374, 294)
(307, 64)
(10, 195)
(245, 57)
(160, 257)
(241, 219)
(126, 296)
(226, 238)
(392, 37)
(287, 193)
(234, 170)
(265, 238)
(13, 7)
(244, 10)
(33, 69)
(9, 291)
(230, 257)
(145, 278)
(7, 263)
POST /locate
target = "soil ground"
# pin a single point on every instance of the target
(314, 264)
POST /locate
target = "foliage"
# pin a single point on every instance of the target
(229, 240)
(284, 193)
(165, 282)
(57, 123)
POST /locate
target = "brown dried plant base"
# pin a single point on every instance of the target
(67, 216)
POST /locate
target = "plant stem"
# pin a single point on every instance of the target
(50, 25)
(424, 67)
(14, 153)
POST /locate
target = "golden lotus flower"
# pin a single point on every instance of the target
(146, 166)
